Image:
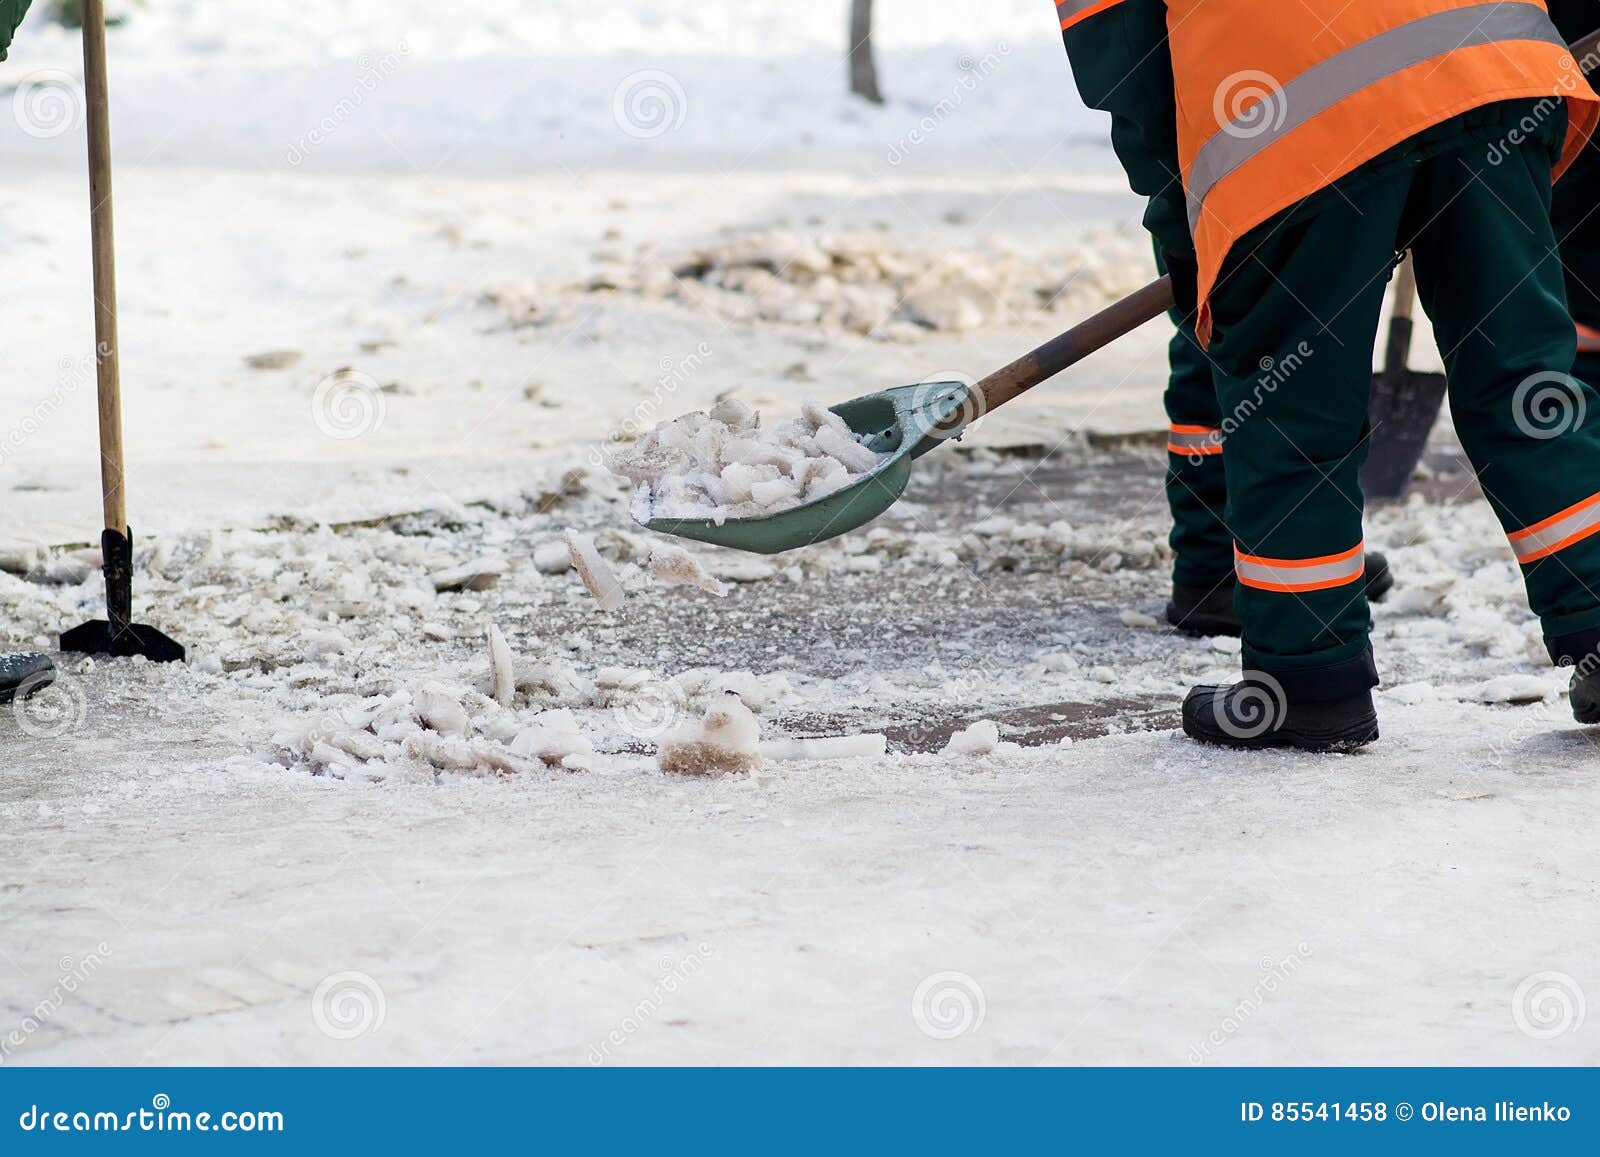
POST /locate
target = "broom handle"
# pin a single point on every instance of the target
(108, 371)
(1076, 344)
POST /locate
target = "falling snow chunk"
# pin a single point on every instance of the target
(677, 567)
(727, 739)
(1133, 618)
(478, 575)
(981, 738)
(502, 678)
(594, 572)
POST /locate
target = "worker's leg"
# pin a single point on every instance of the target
(1296, 314)
(1202, 548)
(1531, 429)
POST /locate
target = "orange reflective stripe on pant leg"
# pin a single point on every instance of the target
(1072, 11)
(1193, 440)
(1559, 531)
(1588, 339)
(1297, 575)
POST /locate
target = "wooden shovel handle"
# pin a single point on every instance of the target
(108, 372)
(1076, 344)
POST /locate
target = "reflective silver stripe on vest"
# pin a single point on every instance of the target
(1581, 521)
(1283, 574)
(1198, 443)
(1346, 73)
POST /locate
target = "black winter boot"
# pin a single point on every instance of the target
(1254, 713)
(24, 671)
(1209, 610)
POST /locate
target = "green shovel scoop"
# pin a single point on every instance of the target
(905, 423)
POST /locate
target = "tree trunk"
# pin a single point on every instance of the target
(863, 68)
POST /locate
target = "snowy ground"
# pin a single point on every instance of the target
(394, 354)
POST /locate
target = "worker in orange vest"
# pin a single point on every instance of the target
(1288, 163)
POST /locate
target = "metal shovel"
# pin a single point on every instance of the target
(1403, 404)
(116, 634)
(906, 422)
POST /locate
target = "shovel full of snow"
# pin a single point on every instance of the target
(904, 423)
(116, 634)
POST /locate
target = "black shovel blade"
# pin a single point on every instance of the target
(1401, 411)
(98, 637)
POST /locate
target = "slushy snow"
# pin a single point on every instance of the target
(722, 464)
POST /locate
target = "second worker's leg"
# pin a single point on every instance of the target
(1531, 429)
(1296, 314)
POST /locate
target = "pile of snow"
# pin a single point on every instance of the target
(723, 464)
(728, 738)
(865, 282)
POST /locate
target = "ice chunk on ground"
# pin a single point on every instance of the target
(478, 575)
(1133, 618)
(552, 557)
(594, 572)
(726, 465)
(1516, 688)
(677, 567)
(979, 739)
(502, 676)
(441, 711)
(826, 747)
(727, 739)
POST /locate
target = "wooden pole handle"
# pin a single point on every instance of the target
(108, 370)
(1076, 344)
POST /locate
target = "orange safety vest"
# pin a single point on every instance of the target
(1278, 100)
